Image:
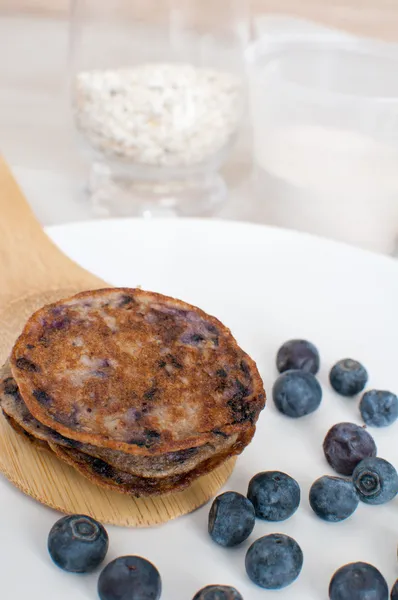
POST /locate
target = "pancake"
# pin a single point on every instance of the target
(102, 474)
(136, 372)
(18, 429)
(171, 463)
(106, 476)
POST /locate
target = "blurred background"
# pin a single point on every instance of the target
(286, 111)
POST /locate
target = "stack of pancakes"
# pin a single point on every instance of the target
(139, 392)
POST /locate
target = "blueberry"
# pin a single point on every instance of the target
(218, 592)
(348, 377)
(231, 519)
(379, 408)
(358, 581)
(296, 393)
(129, 578)
(394, 591)
(345, 445)
(274, 561)
(274, 495)
(376, 481)
(333, 499)
(298, 354)
(78, 543)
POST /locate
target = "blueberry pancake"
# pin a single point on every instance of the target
(16, 427)
(104, 475)
(136, 372)
(170, 463)
(107, 476)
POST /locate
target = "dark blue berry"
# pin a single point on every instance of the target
(376, 481)
(345, 445)
(394, 591)
(231, 519)
(274, 495)
(358, 581)
(298, 354)
(379, 408)
(274, 561)
(296, 393)
(78, 543)
(129, 578)
(218, 592)
(333, 499)
(348, 377)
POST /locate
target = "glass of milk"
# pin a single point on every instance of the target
(325, 117)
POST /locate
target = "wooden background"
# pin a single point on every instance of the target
(375, 18)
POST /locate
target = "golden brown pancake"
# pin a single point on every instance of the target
(164, 465)
(136, 372)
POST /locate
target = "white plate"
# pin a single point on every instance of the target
(268, 285)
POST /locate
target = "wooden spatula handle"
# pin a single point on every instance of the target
(29, 261)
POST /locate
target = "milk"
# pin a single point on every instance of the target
(334, 182)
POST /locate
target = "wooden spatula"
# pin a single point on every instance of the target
(33, 272)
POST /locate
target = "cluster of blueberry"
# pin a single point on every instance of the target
(78, 544)
(297, 392)
(348, 448)
(273, 561)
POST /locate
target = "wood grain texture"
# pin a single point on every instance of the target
(34, 272)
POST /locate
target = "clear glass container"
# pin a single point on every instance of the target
(158, 92)
(326, 137)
